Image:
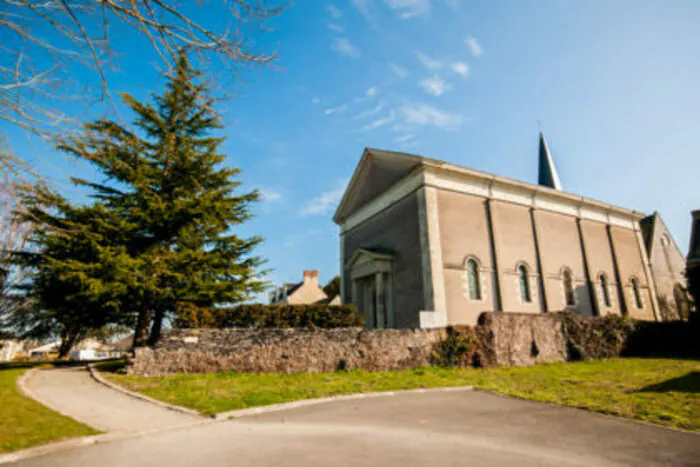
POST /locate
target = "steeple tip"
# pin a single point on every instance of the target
(548, 175)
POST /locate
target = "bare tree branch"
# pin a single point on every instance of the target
(43, 42)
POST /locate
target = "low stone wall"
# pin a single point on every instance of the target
(500, 339)
(285, 350)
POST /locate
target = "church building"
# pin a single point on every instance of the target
(425, 243)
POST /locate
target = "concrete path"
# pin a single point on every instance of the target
(447, 428)
(73, 392)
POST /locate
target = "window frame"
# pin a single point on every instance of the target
(569, 291)
(523, 273)
(474, 294)
(605, 292)
(636, 293)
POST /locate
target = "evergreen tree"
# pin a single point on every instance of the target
(164, 214)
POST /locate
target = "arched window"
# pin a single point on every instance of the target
(524, 281)
(636, 293)
(473, 282)
(604, 289)
(568, 282)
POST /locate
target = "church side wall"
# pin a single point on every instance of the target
(600, 262)
(629, 257)
(395, 229)
(515, 245)
(560, 248)
(464, 234)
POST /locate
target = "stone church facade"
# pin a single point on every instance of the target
(427, 244)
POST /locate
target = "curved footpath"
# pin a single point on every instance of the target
(73, 392)
(407, 429)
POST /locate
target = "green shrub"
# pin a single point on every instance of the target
(271, 316)
(456, 349)
(595, 338)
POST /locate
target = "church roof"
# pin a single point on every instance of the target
(378, 170)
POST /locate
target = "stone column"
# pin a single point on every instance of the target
(379, 300)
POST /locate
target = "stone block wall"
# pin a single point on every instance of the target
(285, 350)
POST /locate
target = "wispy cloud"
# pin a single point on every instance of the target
(316, 100)
(409, 8)
(404, 138)
(366, 9)
(325, 202)
(334, 11)
(369, 112)
(427, 115)
(428, 62)
(336, 110)
(345, 47)
(380, 122)
(476, 48)
(371, 92)
(435, 86)
(398, 70)
(461, 68)
(454, 4)
(269, 194)
(335, 27)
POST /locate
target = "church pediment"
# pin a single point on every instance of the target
(376, 172)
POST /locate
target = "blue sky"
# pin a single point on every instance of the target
(615, 86)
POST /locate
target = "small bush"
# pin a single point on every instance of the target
(456, 349)
(271, 316)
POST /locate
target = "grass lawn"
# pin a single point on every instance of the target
(24, 422)
(662, 391)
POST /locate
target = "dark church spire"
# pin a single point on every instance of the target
(548, 173)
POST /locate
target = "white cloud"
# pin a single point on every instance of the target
(371, 92)
(335, 27)
(334, 11)
(404, 138)
(461, 68)
(366, 9)
(269, 195)
(325, 202)
(427, 115)
(474, 46)
(380, 122)
(409, 8)
(428, 62)
(435, 86)
(336, 110)
(370, 112)
(345, 47)
(398, 71)
(316, 100)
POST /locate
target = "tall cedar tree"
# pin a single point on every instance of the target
(79, 272)
(175, 202)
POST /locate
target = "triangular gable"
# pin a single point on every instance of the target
(376, 172)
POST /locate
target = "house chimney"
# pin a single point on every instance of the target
(311, 277)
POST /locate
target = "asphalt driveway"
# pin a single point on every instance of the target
(446, 428)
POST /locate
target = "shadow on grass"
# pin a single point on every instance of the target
(687, 383)
(109, 365)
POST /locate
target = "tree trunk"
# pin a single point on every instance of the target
(68, 340)
(141, 332)
(157, 326)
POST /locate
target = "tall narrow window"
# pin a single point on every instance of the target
(636, 293)
(568, 288)
(473, 283)
(524, 284)
(604, 289)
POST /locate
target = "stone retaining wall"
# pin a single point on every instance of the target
(285, 350)
(500, 339)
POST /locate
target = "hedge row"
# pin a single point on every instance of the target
(269, 316)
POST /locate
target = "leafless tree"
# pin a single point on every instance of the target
(14, 235)
(44, 44)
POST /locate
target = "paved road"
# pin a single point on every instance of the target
(447, 428)
(73, 392)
